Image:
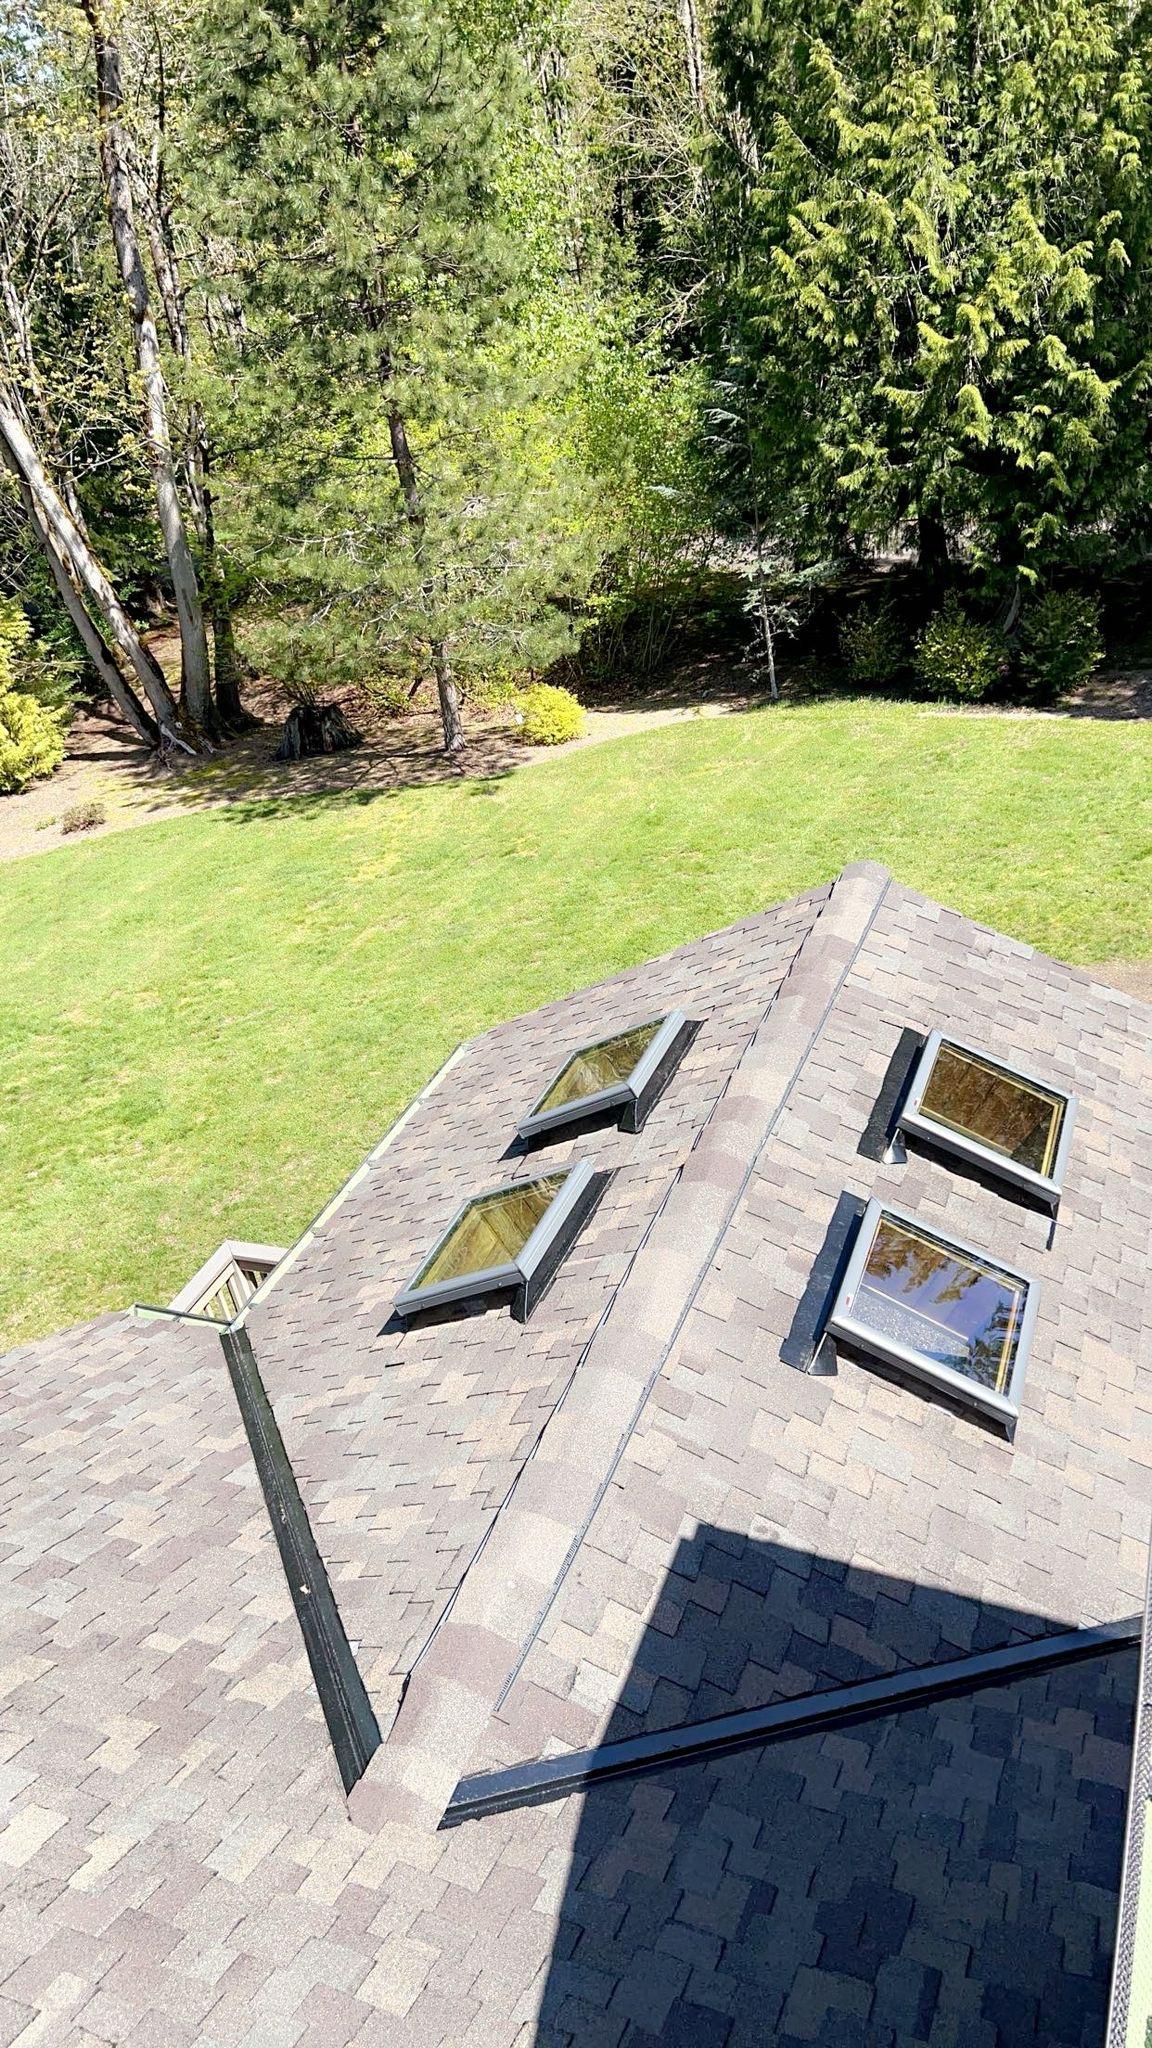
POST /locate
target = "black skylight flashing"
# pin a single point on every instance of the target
(866, 1339)
(526, 1278)
(876, 1142)
(1046, 1188)
(634, 1097)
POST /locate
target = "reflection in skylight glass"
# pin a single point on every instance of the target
(493, 1230)
(596, 1067)
(987, 1103)
(924, 1295)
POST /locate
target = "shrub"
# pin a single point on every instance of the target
(873, 645)
(1060, 644)
(639, 420)
(31, 732)
(31, 741)
(390, 694)
(82, 817)
(550, 715)
(493, 689)
(957, 658)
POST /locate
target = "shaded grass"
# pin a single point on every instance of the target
(205, 1023)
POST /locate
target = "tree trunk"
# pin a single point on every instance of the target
(1009, 615)
(196, 680)
(34, 397)
(92, 640)
(227, 667)
(449, 697)
(931, 543)
(87, 572)
(316, 729)
(693, 52)
(414, 511)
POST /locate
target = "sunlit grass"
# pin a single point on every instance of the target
(205, 1023)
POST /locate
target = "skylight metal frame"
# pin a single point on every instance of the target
(1047, 1188)
(635, 1095)
(533, 1267)
(1003, 1408)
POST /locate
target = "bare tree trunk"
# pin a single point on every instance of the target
(196, 678)
(414, 511)
(54, 520)
(767, 635)
(92, 640)
(227, 667)
(34, 393)
(449, 697)
(693, 52)
(1009, 614)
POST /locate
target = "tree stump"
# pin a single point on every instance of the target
(316, 729)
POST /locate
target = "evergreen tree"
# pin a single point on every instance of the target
(401, 467)
(936, 287)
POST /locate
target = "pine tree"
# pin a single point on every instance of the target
(937, 282)
(410, 501)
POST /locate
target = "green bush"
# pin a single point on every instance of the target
(1060, 644)
(957, 658)
(31, 741)
(550, 715)
(390, 694)
(31, 732)
(494, 689)
(873, 644)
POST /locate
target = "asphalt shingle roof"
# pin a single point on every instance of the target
(405, 1441)
(629, 1512)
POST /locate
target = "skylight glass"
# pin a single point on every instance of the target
(511, 1237)
(943, 1310)
(492, 1231)
(597, 1067)
(627, 1071)
(1012, 1123)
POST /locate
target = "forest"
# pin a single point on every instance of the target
(492, 350)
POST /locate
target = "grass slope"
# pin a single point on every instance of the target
(205, 1024)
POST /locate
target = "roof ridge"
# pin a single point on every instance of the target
(503, 1597)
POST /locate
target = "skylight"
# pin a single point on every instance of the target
(227, 1280)
(511, 1237)
(1012, 1123)
(938, 1309)
(628, 1071)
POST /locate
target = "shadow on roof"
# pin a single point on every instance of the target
(944, 1874)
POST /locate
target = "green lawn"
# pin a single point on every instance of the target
(204, 1024)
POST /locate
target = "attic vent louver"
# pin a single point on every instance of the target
(227, 1280)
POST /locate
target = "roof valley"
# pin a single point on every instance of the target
(493, 1618)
